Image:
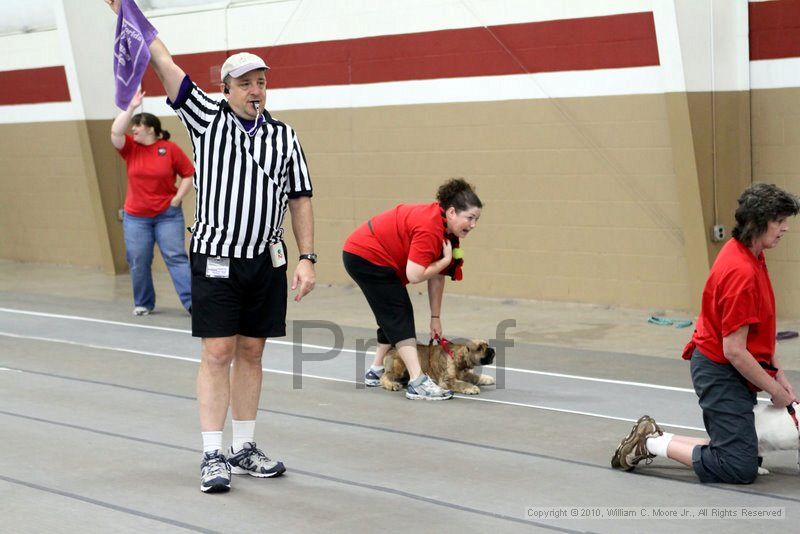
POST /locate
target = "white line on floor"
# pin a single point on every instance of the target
(306, 345)
(276, 371)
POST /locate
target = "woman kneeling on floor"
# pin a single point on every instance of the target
(732, 352)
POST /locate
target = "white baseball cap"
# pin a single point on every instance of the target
(241, 63)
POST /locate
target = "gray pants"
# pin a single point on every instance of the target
(727, 403)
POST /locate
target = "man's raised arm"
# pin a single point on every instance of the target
(170, 74)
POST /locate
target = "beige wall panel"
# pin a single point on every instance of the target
(783, 132)
(702, 134)
(457, 114)
(776, 102)
(474, 139)
(638, 161)
(580, 194)
(776, 159)
(622, 108)
(581, 197)
(631, 134)
(690, 189)
(790, 245)
(733, 150)
(772, 132)
(111, 182)
(786, 284)
(46, 211)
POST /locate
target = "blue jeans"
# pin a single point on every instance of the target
(141, 234)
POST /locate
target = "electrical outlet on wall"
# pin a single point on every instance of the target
(718, 233)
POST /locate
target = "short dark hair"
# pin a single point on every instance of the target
(150, 120)
(760, 204)
(459, 194)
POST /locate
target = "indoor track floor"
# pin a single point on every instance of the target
(100, 434)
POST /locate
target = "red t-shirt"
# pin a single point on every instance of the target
(151, 175)
(407, 232)
(738, 292)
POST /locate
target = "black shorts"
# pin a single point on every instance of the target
(386, 295)
(250, 302)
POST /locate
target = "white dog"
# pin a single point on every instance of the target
(777, 431)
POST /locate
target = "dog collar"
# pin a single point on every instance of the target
(445, 344)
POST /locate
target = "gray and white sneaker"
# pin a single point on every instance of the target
(215, 473)
(373, 378)
(139, 311)
(252, 461)
(427, 390)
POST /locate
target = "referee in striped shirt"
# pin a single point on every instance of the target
(249, 167)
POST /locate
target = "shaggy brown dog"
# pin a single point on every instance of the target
(450, 373)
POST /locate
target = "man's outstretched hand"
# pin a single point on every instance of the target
(114, 5)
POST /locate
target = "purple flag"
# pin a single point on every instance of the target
(131, 51)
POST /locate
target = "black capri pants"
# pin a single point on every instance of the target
(727, 403)
(386, 296)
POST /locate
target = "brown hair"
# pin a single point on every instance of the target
(459, 194)
(758, 205)
(151, 121)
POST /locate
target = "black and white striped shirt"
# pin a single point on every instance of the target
(243, 182)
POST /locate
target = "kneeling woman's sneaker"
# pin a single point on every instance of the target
(427, 389)
(251, 461)
(633, 449)
(215, 473)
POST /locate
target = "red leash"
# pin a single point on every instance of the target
(444, 343)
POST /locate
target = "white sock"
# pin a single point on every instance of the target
(376, 368)
(658, 446)
(212, 441)
(243, 432)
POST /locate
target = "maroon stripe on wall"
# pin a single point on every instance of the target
(34, 86)
(615, 41)
(774, 29)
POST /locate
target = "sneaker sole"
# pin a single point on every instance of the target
(218, 488)
(426, 397)
(242, 471)
(372, 384)
(615, 462)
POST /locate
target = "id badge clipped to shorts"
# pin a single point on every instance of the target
(218, 267)
(277, 255)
